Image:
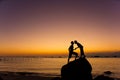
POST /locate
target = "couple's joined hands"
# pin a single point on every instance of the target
(75, 48)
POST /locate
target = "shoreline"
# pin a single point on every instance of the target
(6, 75)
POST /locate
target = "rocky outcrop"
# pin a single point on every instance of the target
(79, 69)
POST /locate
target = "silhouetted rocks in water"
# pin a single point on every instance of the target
(108, 72)
(79, 69)
(102, 77)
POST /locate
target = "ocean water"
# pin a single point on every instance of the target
(52, 66)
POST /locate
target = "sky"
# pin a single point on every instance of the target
(31, 27)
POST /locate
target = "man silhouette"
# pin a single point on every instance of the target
(80, 47)
(71, 48)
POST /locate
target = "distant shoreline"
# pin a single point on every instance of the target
(96, 56)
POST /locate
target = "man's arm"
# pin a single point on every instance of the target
(76, 48)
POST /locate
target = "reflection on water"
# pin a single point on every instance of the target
(53, 65)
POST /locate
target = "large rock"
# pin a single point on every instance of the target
(79, 69)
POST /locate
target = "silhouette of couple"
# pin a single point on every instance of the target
(71, 50)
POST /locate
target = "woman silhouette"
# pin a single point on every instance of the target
(80, 47)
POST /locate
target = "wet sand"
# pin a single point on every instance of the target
(23, 76)
(26, 76)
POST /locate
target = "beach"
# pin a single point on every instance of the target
(27, 76)
(23, 76)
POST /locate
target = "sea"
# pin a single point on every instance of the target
(52, 66)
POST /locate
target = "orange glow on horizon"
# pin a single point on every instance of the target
(51, 51)
(54, 46)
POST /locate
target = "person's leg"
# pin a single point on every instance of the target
(76, 55)
(82, 53)
(69, 57)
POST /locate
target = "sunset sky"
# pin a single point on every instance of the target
(48, 26)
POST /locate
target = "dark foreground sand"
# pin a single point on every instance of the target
(25, 76)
